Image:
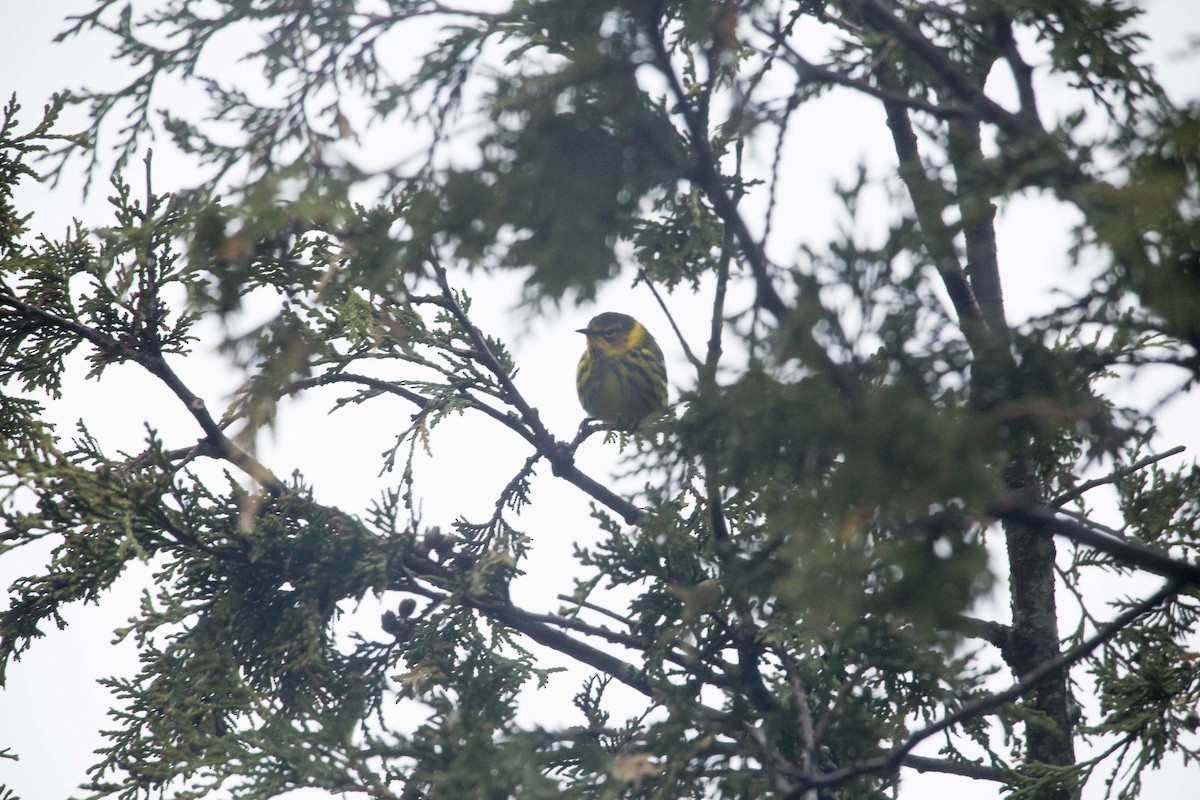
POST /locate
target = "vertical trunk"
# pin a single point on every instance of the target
(1034, 640)
(975, 289)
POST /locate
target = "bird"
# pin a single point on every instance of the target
(622, 377)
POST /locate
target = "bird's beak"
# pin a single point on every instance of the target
(584, 331)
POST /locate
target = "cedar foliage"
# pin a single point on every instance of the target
(810, 531)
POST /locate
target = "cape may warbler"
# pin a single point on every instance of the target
(622, 378)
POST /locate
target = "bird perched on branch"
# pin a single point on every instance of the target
(622, 378)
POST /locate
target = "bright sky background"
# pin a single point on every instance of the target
(52, 708)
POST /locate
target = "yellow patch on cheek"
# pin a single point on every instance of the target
(612, 347)
(621, 343)
(601, 346)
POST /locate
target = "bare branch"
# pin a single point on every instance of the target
(687, 350)
(1113, 477)
(929, 201)
(966, 769)
(967, 89)
(808, 72)
(420, 401)
(598, 609)
(1128, 552)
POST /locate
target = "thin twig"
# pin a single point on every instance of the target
(708, 177)
(506, 495)
(420, 401)
(598, 609)
(687, 351)
(1113, 477)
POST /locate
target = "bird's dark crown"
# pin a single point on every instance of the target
(611, 322)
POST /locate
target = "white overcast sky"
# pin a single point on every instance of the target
(52, 708)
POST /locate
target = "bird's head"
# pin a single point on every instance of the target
(612, 334)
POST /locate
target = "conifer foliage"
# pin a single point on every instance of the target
(784, 603)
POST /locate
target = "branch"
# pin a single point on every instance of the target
(1113, 477)
(804, 720)
(598, 609)
(808, 72)
(157, 366)
(212, 429)
(898, 754)
(879, 16)
(543, 634)
(994, 633)
(415, 398)
(484, 355)
(420, 401)
(966, 769)
(423, 403)
(929, 200)
(1022, 75)
(978, 217)
(687, 351)
(716, 324)
(573, 623)
(1130, 553)
(706, 174)
(559, 455)
(507, 494)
